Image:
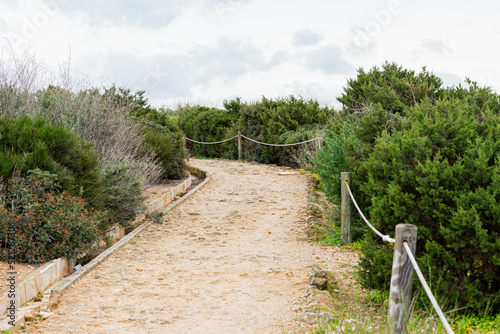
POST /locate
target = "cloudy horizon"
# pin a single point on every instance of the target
(205, 52)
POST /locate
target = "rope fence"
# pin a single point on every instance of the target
(428, 290)
(210, 143)
(401, 278)
(282, 145)
(384, 237)
(240, 136)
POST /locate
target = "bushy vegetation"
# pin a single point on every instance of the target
(104, 145)
(391, 87)
(27, 144)
(123, 197)
(48, 223)
(428, 156)
(160, 130)
(440, 172)
(210, 125)
(280, 121)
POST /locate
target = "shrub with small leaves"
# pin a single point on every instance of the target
(440, 172)
(123, 192)
(48, 223)
(26, 144)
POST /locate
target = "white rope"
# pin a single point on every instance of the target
(253, 140)
(211, 143)
(413, 262)
(427, 290)
(281, 145)
(384, 237)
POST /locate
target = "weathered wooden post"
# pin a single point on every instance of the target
(184, 142)
(318, 143)
(345, 217)
(239, 145)
(402, 277)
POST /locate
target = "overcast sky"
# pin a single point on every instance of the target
(207, 51)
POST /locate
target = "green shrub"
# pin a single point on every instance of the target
(391, 87)
(298, 156)
(334, 158)
(269, 120)
(27, 144)
(166, 147)
(48, 224)
(123, 191)
(209, 125)
(163, 136)
(440, 172)
(101, 117)
(373, 102)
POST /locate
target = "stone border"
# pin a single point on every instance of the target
(34, 284)
(118, 232)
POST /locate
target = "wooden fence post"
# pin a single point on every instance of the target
(319, 143)
(239, 145)
(345, 217)
(184, 142)
(402, 277)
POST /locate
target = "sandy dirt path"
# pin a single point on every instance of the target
(227, 260)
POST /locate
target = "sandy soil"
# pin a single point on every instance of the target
(229, 259)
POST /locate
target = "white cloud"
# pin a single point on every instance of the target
(329, 59)
(215, 49)
(306, 37)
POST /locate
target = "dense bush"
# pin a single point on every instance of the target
(440, 172)
(423, 155)
(48, 224)
(269, 120)
(123, 194)
(391, 87)
(298, 156)
(167, 148)
(210, 125)
(374, 102)
(333, 159)
(101, 117)
(94, 140)
(162, 134)
(27, 144)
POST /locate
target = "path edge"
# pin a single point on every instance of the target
(63, 285)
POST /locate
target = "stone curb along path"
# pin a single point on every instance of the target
(59, 267)
(60, 288)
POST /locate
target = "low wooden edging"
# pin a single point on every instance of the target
(35, 283)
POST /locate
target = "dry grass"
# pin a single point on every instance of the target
(28, 87)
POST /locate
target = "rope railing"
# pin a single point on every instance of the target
(240, 149)
(210, 143)
(281, 145)
(413, 262)
(428, 290)
(384, 237)
(253, 140)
